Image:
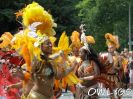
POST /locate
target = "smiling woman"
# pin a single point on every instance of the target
(44, 73)
(34, 44)
(47, 47)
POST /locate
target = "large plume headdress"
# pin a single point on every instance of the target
(36, 13)
(112, 40)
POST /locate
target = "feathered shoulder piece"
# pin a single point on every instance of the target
(112, 40)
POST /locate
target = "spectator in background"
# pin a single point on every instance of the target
(131, 74)
(126, 53)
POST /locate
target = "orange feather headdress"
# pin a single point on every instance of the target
(75, 38)
(90, 39)
(6, 39)
(112, 40)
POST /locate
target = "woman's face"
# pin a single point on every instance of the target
(76, 51)
(46, 47)
(111, 49)
(82, 54)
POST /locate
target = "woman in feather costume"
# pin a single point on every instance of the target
(89, 68)
(75, 46)
(36, 48)
(111, 66)
(64, 63)
(44, 73)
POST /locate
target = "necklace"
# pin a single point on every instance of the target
(85, 63)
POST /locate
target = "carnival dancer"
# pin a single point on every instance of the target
(64, 63)
(131, 69)
(87, 71)
(75, 46)
(123, 72)
(113, 44)
(44, 74)
(111, 63)
(36, 48)
(5, 66)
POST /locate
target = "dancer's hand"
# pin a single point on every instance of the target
(80, 71)
(8, 88)
(80, 85)
(61, 52)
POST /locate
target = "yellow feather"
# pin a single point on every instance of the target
(35, 13)
(63, 44)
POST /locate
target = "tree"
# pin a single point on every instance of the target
(105, 16)
(8, 8)
(63, 11)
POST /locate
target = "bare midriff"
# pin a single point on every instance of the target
(45, 86)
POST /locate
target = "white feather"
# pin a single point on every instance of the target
(83, 37)
(32, 29)
(32, 34)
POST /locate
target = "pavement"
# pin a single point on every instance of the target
(66, 95)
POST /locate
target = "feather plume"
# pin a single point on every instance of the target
(63, 44)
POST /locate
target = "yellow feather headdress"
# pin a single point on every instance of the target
(36, 13)
(112, 40)
(38, 26)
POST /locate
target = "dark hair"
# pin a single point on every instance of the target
(92, 56)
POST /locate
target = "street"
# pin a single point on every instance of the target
(67, 95)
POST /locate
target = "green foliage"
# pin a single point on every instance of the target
(8, 8)
(105, 16)
(100, 17)
(64, 13)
